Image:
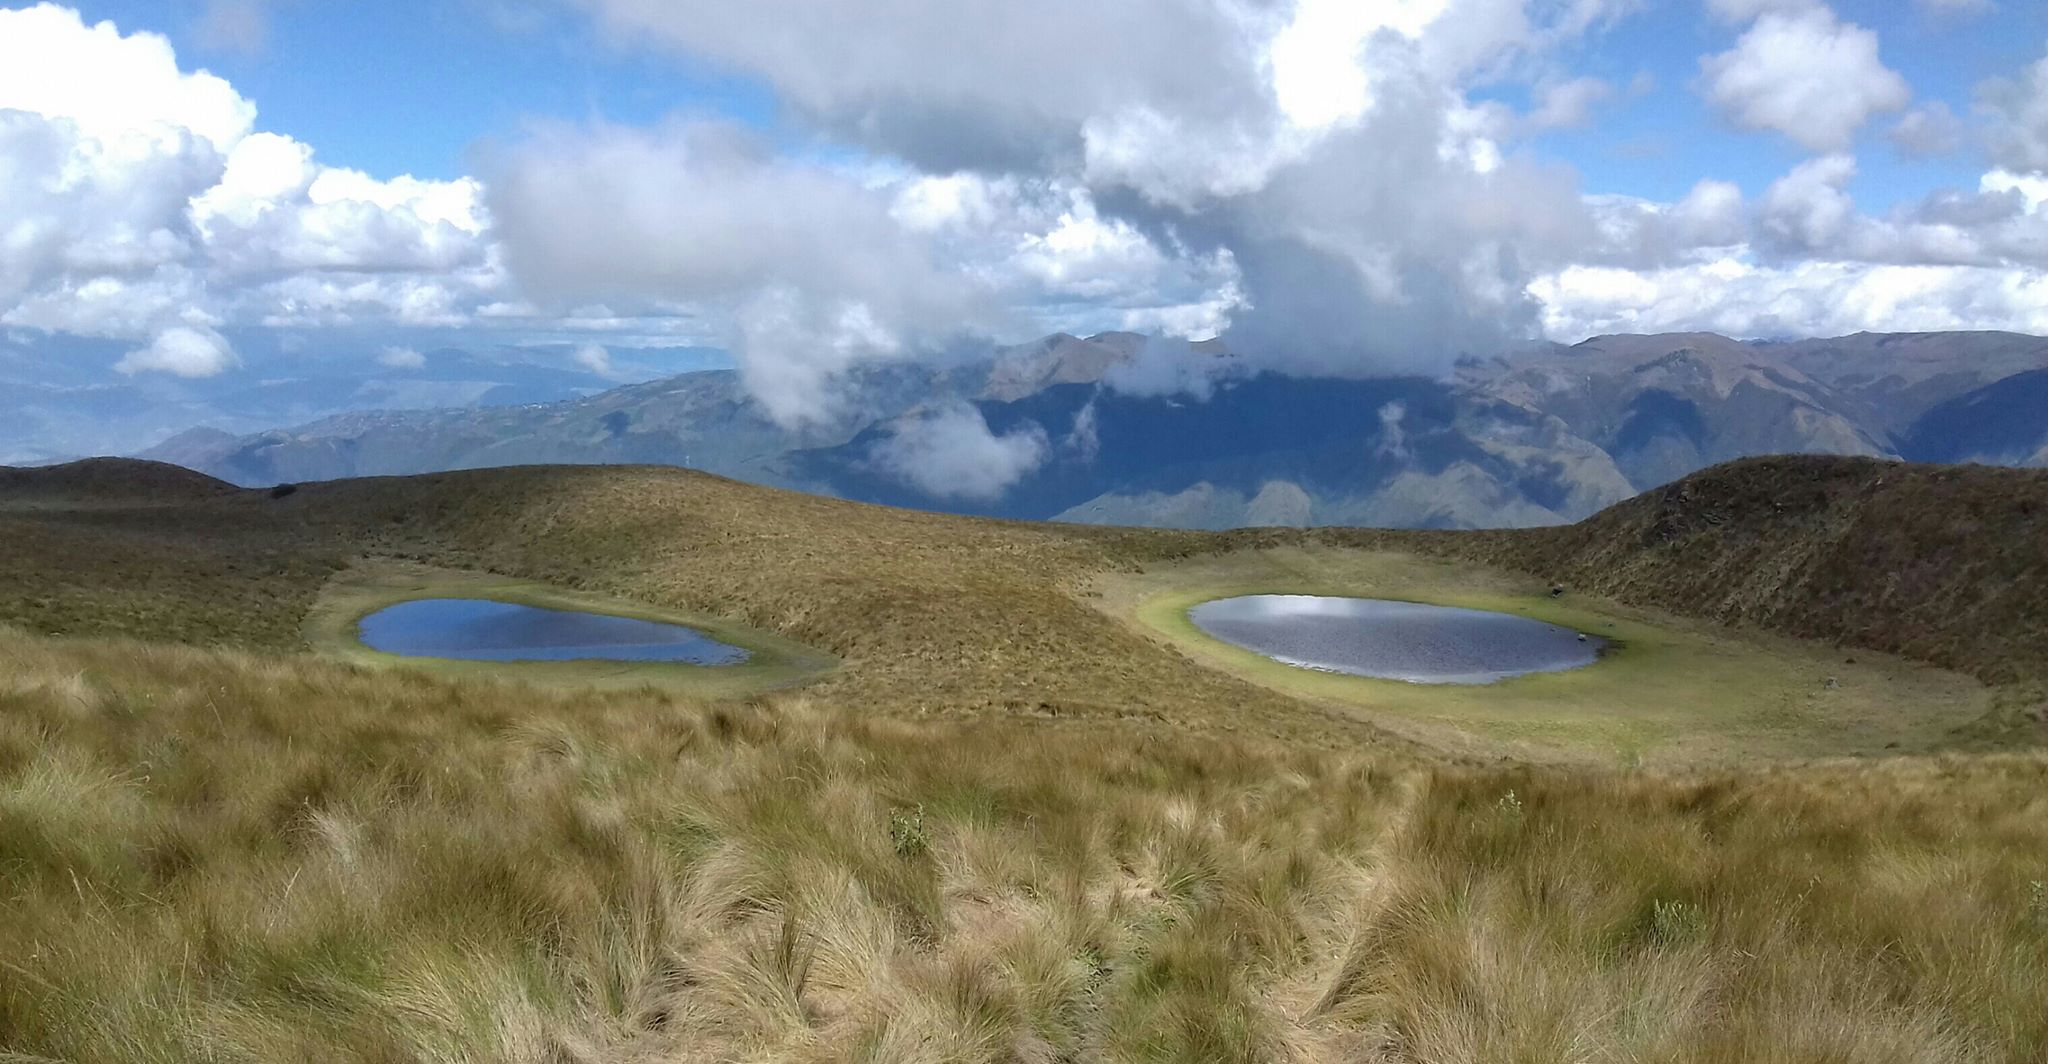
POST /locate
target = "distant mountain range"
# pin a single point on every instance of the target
(58, 400)
(1543, 437)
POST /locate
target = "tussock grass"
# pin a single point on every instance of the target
(1012, 827)
(231, 856)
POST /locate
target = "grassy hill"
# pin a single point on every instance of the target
(1010, 826)
(107, 481)
(1942, 564)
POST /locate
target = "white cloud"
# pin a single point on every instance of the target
(182, 351)
(594, 358)
(1813, 298)
(275, 211)
(1929, 130)
(2018, 111)
(1393, 439)
(73, 207)
(1165, 366)
(1809, 209)
(1565, 104)
(808, 266)
(950, 452)
(135, 196)
(2032, 188)
(401, 358)
(1745, 10)
(110, 86)
(973, 83)
(1804, 74)
(1636, 232)
(1809, 214)
(1323, 151)
(1710, 215)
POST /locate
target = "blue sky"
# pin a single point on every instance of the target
(818, 184)
(409, 87)
(1659, 143)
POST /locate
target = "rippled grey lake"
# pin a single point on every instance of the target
(1395, 640)
(481, 630)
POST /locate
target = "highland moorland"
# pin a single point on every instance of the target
(1001, 804)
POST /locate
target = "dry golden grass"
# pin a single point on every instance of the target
(220, 856)
(1010, 828)
(931, 615)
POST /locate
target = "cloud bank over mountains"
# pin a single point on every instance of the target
(1334, 186)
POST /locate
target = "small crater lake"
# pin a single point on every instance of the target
(485, 630)
(1391, 640)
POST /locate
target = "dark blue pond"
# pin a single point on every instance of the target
(1395, 640)
(481, 630)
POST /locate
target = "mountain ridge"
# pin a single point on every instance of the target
(1546, 437)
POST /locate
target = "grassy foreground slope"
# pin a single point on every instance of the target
(1009, 828)
(222, 856)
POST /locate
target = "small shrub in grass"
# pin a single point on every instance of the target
(908, 833)
(284, 490)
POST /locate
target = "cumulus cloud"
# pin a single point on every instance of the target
(1010, 87)
(1636, 232)
(277, 211)
(1168, 366)
(112, 87)
(594, 358)
(1746, 299)
(1806, 74)
(1809, 209)
(1393, 440)
(137, 194)
(182, 351)
(1323, 150)
(2017, 108)
(1745, 10)
(1565, 104)
(950, 452)
(1804, 260)
(807, 266)
(1810, 214)
(1929, 130)
(401, 358)
(1085, 440)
